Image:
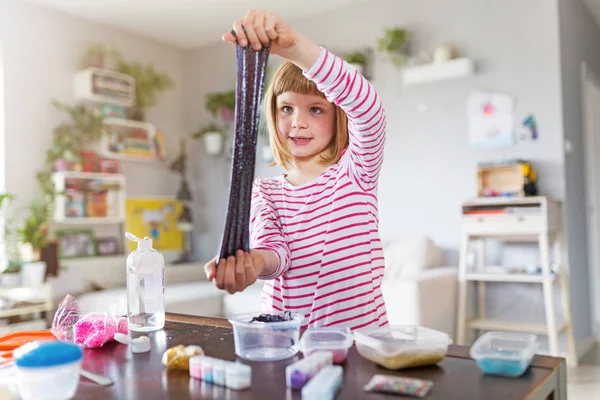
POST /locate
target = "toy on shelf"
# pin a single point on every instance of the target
(511, 178)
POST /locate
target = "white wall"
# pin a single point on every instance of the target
(429, 168)
(580, 42)
(42, 50)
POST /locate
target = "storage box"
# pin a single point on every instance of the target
(508, 179)
(504, 353)
(403, 346)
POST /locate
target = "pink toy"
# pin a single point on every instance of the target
(93, 330)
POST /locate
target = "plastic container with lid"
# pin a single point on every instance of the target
(266, 341)
(504, 353)
(404, 346)
(335, 340)
(302, 371)
(48, 364)
(325, 384)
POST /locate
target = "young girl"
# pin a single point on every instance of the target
(314, 230)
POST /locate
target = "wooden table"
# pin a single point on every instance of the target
(142, 376)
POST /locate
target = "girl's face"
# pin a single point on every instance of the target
(305, 124)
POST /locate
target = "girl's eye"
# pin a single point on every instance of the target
(286, 109)
(316, 110)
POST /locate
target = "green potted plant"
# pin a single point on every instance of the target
(33, 234)
(149, 84)
(212, 136)
(223, 103)
(358, 60)
(97, 55)
(395, 42)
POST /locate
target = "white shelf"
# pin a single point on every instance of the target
(511, 326)
(115, 198)
(498, 277)
(457, 68)
(125, 139)
(105, 86)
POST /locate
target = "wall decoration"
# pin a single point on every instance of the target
(529, 129)
(159, 146)
(107, 246)
(491, 120)
(76, 243)
(155, 218)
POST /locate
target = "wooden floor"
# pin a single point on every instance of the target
(584, 381)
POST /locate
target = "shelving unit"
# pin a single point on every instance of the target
(128, 140)
(105, 86)
(524, 219)
(115, 197)
(34, 300)
(457, 68)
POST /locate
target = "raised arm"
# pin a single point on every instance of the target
(344, 86)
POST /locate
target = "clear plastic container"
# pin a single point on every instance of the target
(266, 341)
(404, 346)
(335, 340)
(50, 364)
(325, 384)
(504, 353)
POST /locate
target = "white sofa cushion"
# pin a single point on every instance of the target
(409, 257)
(195, 298)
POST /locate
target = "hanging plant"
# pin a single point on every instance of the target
(223, 102)
(356, 57)
(394, 42)
(98, 55)
(149, 84)
(212, 136)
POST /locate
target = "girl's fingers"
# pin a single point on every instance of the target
(238, 29)
(228, 37)
(250, 270)
(248, 25)
(259, 29)
(221, 274)
(240, 273)
(229, 276)
(270, 21)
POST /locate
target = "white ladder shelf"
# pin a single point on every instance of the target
(524, 219)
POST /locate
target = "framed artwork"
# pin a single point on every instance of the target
(76, 243)
(107, 246)
(155, 218)
(131, 140)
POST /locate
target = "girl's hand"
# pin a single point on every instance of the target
(235, 273)
(257, 28)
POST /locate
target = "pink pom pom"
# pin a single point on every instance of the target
(123, 326)
(94, 330)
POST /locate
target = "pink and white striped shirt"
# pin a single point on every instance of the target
(326, 233)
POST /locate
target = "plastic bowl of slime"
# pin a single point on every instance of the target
(266, 337)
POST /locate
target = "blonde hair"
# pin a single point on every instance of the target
(289, 78)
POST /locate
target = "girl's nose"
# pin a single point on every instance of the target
(298, 122)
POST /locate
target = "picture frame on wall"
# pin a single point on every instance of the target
(76, 243)
(107, 246)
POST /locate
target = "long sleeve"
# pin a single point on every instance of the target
(345, 87)
(266, 232)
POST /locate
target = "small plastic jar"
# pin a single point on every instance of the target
(238, 376)
(196, 366)
(48, 370)
(336, 340)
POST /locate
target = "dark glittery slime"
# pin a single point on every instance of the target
(251, 69)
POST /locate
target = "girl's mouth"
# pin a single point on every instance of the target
(300, 141)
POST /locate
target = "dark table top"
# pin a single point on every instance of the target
(142, 376)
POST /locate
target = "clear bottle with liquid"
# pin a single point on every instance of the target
(145, 287)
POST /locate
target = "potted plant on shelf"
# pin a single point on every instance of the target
(213, 138)
(395, 42)
(223, 103)
(358, 60)
(33, 235)
(97, 56)
(149, 84)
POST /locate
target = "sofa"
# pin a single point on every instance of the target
(417, 289)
